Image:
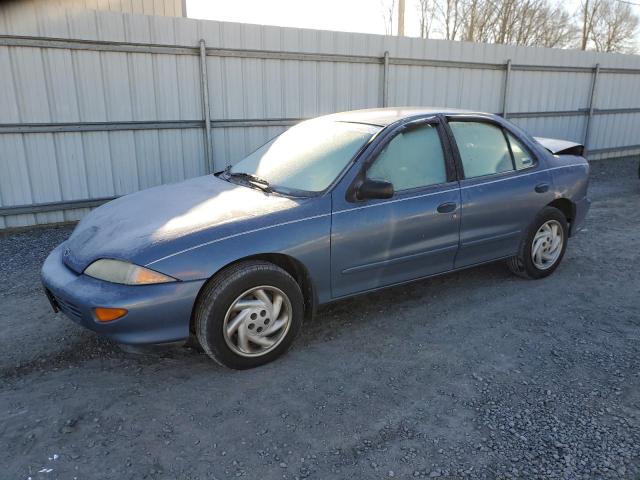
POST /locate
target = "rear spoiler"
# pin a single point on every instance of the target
(561, 147)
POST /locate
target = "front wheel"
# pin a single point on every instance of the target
(249, 314)
(543, 246)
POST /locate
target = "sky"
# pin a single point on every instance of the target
(364, 16)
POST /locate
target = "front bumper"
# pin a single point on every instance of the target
(156, 313)
(582, 207)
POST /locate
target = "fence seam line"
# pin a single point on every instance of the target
(130, 47)
(206, 108)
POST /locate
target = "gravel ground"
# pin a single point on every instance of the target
(477, 374)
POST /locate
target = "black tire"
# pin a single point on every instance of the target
(522, 264)
(219, 294)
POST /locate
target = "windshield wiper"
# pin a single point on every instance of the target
(251, 179)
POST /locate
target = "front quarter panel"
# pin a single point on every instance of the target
(304, 238)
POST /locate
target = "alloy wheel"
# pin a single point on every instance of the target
(547, 244)
(257, 321)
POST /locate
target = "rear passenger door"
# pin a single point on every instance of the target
(503, 187)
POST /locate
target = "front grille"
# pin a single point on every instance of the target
(67, 307)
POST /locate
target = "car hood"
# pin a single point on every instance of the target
(146, 225)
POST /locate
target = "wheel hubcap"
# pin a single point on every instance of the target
(547, 244)
(257, 321)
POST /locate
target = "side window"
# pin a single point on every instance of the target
(412, 159)
(483, 148)
(521, 156)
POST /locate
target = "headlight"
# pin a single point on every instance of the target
(118, 271)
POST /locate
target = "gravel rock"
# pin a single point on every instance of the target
(476, 374)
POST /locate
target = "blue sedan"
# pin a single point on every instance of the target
(334, 207)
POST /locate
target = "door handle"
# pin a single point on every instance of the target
(447, 207)
(542, 187)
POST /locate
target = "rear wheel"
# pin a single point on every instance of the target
(249, 314)
(543, 246)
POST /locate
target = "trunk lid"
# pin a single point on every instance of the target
(561, 147)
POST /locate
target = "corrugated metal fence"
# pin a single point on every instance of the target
(29, 9)
(99, 104)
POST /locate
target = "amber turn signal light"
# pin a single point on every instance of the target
(109, 314)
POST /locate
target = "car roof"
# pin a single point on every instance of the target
(386, 116)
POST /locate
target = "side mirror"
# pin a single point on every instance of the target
(374, 189)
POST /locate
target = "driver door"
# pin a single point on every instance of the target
(380, 242)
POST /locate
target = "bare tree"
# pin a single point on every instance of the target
(478, 17)
(426, 15)
(604, 25)
(530, 24)
(542, 24)
(449, 14)
(507, 14)
(519, 22)
(614, 27)
(559, 31)
(388, 10)
(589, 10)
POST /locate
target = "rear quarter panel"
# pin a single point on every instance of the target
(570, 176)
(571, 181)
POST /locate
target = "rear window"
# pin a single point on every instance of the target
(522, 158)
(483, 148)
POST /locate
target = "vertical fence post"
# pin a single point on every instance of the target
(505, 90)
(385, 80)
(592, 99)
(206, 111)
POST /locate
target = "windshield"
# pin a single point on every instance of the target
(308, 156)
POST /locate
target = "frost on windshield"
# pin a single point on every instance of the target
(308, 156)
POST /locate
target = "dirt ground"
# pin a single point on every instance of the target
(477, 374)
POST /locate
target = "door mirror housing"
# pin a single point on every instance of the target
(374, 189)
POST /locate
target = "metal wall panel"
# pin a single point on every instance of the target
(171, 8)
(549, 91)
(615, 130)
(121, 82)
